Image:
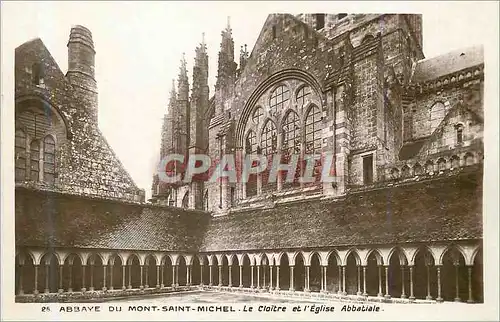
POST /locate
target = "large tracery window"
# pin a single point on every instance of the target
(279, 97)
(20, 155)
(49, 149)
(302, 95)
(291, 144)
(258, 115)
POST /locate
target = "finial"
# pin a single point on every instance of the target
(203, 38)
(228, 22)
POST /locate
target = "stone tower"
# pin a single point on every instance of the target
(81, 69)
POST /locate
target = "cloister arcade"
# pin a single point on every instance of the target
(436, 272)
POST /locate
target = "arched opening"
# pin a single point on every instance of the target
(116, 274)
(417, 169)
(441, 163)
(246, 271)
(48, 279)
(95, 276)
(429, 166)
(134, 272)
(225, 271)
(455, 162)
(332, 274)
(315, 274)
(25, 274)
(477, 278)
(373, 278)
(72, 273)
(167, 271)
(454, 276)
(235, 272)
(284, 273)
(215, 271)
(425, 275)
(264, 272)
(181, 271)
(396, 274)
(195, 271)
(150, 272)
(352, 273)
(299, 273)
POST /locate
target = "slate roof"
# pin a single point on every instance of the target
(437, 210)
(445, 209)
(58, 220)
(435, 67)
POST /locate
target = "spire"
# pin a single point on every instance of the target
(183, 69)
(183, 83)
(173, 94)
(227, 66)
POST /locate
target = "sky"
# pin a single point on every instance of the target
(139, 46)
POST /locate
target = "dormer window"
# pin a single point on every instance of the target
(320, 21)
(37, 74)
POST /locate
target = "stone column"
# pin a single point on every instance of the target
(277, 278)
(387, 295)
(364, 281)
(162, 272)
(241, 275)
(339, 291)
(270, 278)
(111, 276)
(210, 276)
(91, 286)
(291, 279)
(412, 296)
(104, 278)
(469, 271)
(325, 283)
(61, 287)
(123, 276)
(380, 294)
(230, 284)
(158, 276)
(142, 285)
(220, 275)
(403, 295)
(147, 276)
(264, 276)
(70, 282)
(188, 275)
(35, 289)
(47, 290)
(359, 281)
(201, 275)
(439, 298)
(306, 282)
(129, 276)
(177, 275)
(251, 278)
(457, 288)
(322, 286)
(428, 297)
(173, 276)
(258, 276)
(343, 281)
(83, 278)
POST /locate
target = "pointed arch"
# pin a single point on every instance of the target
(185, 200)
(355, 253)
(312, 129)
(376, 253)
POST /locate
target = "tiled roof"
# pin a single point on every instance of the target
(444, 209)
(435, 67)
(57, 220)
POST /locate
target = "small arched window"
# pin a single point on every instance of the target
(313, 131)
(35, 160)
(302, 95)
(20, 155)
(459, 128)
(185, 200)
(49, 149)
(279, 98)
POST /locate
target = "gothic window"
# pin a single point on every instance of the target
(302, 95)
(258, 115)
(460, 133)
(49, 149)
(291, 133)
(185, 200)
(251, 143)
(279, 98)
(35, 160)
(269, 138)
(436, 115)
(20, 150)
(313, 131)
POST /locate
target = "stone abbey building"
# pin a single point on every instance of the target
(403, 222)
